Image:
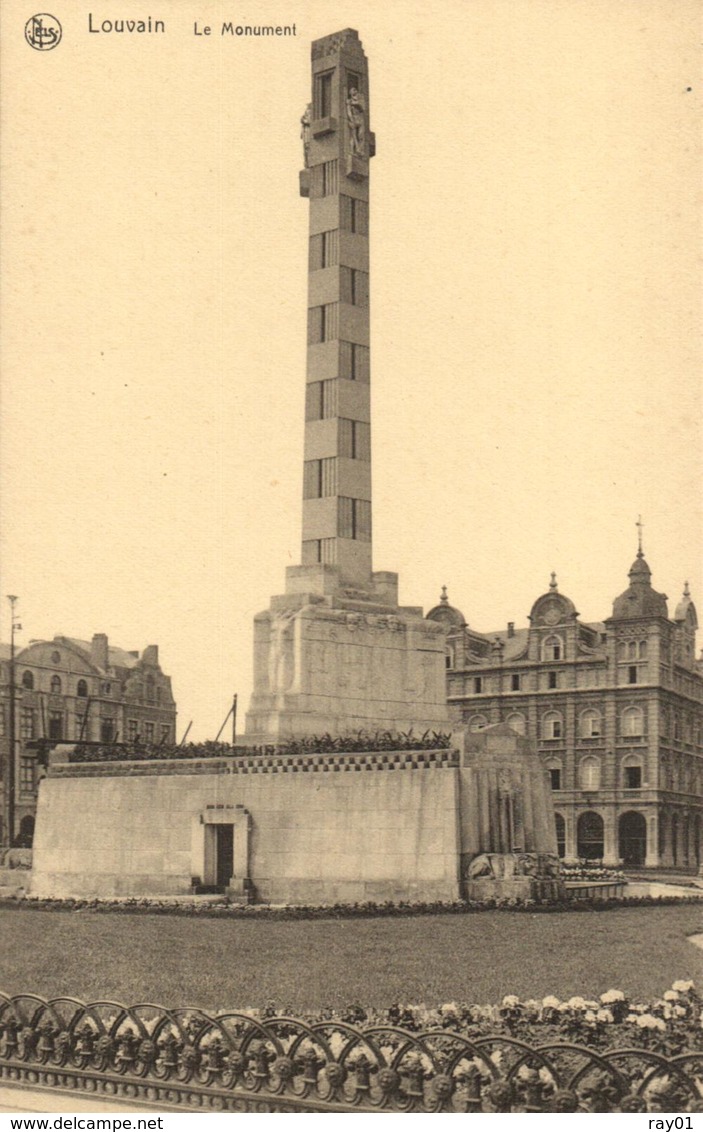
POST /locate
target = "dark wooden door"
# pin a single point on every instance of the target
(225, 854)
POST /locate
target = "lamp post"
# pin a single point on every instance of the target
(14, 624)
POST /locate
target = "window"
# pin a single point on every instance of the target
(552, 649)
(107, 730)
(78, 723)
(632, 721)
(515, 682)
(132, 730)
(478, 685)
(552, 725)
(55, 685)
(354, 519)
(633, 777)
(478, 723)
(27, 723)
(149, 732)
(27, 776)
(354, 439)
(82, 688)
(632, 674)
(329, 179)
(561, 834)
(517, 721)
(590, 724)
(322, 95)
(28, 680)
(56, 658)
(56, 725)
(165, 732)
(551, 679)
(555, 777)
(149, 685)
(589, 773)
(319, 480)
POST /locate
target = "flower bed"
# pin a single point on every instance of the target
(222, 908)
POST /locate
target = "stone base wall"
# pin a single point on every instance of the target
(305, 830)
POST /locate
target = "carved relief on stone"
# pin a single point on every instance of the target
(305, 133)
(356, 109)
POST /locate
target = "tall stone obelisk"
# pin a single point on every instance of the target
(336, 653)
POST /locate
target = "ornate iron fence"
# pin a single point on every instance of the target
(187, 1059)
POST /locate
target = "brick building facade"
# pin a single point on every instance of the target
(616, 711)
(72, 689)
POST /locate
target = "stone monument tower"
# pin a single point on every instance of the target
(336, 653)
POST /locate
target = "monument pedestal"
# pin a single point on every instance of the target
(342, 659)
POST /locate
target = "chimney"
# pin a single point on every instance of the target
(511, 629)
(98, 650)
(151, 655)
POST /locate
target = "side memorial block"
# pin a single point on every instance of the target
(508, 834)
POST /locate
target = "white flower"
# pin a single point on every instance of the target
(577, 1003)
(649, 1022)
(683, 985)
(671, 996)
(449, 1008)
(511, 1000)
(679, 1012)
(605, 1016)
(612, 996)
(589, 1016)
(550, 1002)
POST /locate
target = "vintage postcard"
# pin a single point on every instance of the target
(336, 316)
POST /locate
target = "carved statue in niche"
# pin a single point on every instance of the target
(356, 107)
(305, 133)
(281, 655)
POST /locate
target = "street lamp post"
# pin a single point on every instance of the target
(12, 598)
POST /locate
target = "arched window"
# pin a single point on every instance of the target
(589, 724)
(82, 689)
(589, 773)
(552, 725)
(560, 826)
(55, 685)
(478, 723)
(517, 721)
(632, 721)
(449, 660)
(150, 689)
(28, 680)
(553, 648)
(642, 649)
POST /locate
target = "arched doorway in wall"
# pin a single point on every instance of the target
(560, 826)
(589, 836)
(632, 838)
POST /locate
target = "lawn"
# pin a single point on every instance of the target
(307, 964)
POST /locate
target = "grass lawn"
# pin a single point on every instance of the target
(306, 964)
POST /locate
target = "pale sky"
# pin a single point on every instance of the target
(535, 319)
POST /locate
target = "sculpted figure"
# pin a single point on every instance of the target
(305, 133)
(357, 127)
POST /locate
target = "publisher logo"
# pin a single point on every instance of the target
(43, 32)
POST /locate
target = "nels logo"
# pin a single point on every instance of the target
(43, 32)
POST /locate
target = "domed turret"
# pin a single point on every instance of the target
(446, 614)
(686, 610)
(639, 599)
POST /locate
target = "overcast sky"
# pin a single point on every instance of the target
(535, 316)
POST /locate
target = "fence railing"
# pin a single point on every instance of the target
(231, 1062)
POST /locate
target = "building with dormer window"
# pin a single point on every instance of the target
(69, 689)
(615, 709)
